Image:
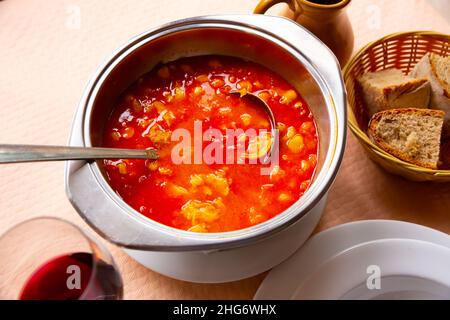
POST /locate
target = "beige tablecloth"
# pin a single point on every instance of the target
(49, 49)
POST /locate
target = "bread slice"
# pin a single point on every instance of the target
(437, 70)
(391, 89)
(412, 135)
(441, 67)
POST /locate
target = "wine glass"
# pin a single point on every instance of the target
(48, 258)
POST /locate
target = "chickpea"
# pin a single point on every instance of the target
(246, 119)
(296, 143)
(196, 180)
(298, 105)
(258, 85)
(168, 95)
(159, 106)
(128, 132)
(290, 132)
(255, 217)
(284, 197)
(244, 84)
(202, 78)
(288, 97)
(152, 165)
(277, 174)
(217, 83)
(264, 95)
(169, 117)
(305, 165)
(165, 171)
(304, 185)
(312, 160)
(198, 90)
(115, 135)
(180, 94)
(135, 104)
(177, 191)
(201, 228)
(122, 168)
(281, 126)
(307, 126)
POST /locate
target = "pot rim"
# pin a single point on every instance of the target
(295, 212)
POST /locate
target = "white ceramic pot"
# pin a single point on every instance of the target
(280, 45)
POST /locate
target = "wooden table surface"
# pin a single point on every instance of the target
(49, 49)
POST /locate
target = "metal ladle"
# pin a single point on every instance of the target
(273, 123)
(15, 153)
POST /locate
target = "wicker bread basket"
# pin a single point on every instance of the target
(402, 51)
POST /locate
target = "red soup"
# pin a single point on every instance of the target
(189, 191)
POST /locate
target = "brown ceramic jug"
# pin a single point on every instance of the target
(327, 19)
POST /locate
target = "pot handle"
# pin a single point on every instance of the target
(265, 5)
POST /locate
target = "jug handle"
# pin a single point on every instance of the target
(265, 5)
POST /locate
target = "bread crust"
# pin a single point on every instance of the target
(439, 95)
(372, 132)
(411, 85)
(444, 86)
(403, 91)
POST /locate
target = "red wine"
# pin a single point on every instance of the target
(68, 277)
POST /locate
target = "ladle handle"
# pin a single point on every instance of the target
(15, 153)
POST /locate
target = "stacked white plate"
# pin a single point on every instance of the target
(374, 259)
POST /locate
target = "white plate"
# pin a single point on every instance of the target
(287, 278)
(345, 275)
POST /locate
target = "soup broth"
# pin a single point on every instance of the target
(192, 192)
